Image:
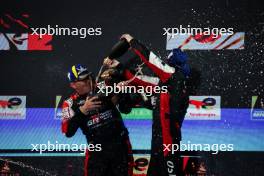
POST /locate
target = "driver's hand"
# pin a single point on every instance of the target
(110, 63)
(128, 37)
(90, 104)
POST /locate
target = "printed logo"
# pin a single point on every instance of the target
(257, 108)
(206, 42)
(12, 107)
(24, 41)
(58, 109)
(141, 163)
(204, 108)
(16, 35)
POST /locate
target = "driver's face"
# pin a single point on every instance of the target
(82, 87)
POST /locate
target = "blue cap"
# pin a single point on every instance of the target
(78, 73)
(178, 58)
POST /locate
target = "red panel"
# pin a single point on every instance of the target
(37, 43)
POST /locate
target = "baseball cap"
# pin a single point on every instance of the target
(78, 72)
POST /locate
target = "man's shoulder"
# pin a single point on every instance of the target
(69, 101)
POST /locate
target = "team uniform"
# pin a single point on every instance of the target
(104, 127)
(169, 108)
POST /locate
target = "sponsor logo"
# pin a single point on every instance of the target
(141, 163)
(58, 109)
(207, 103)
(206, 42)
(204, 108)
(16, 36)
(99, 119)
(257, 108)
(12, 103)
(12, 107)
(25, 41)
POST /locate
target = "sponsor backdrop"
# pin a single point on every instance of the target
(228, 107)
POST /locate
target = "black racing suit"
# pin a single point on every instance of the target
(102, 126)
(169, 109)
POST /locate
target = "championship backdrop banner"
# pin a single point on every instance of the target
(41, 40)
